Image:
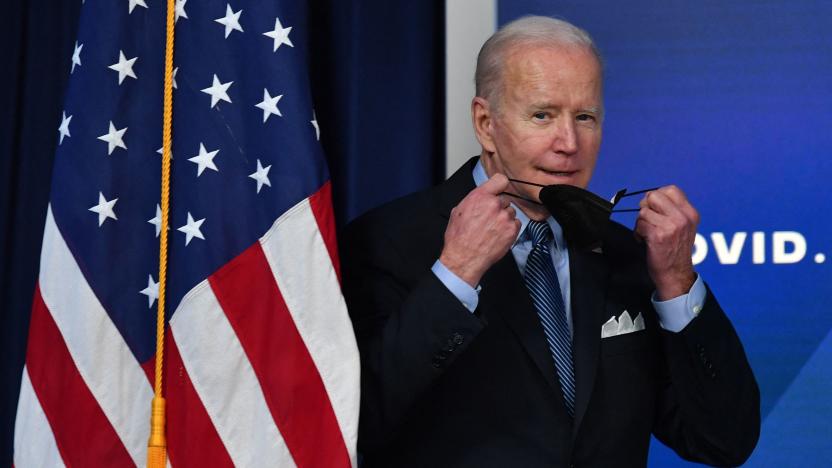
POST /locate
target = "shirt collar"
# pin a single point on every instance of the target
(557, 232)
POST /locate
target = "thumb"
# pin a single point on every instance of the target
(496, 185)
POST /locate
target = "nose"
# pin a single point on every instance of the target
(565, 138)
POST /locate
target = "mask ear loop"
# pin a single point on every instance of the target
(521, 197)
(623, 194)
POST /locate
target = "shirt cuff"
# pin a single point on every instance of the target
(468, 296)
(675, 314)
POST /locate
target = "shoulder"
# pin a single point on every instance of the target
(418, 213)
(400, 217)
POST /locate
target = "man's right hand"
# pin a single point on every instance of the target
(481, 230)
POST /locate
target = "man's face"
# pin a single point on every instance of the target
(547, 126)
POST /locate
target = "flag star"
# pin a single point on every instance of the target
(114, 138)
(76, 56)
(132, 4)
(218, 91)
(179, 10)
(160, 150)
(157, 220)
(205, 159)
(63, 130)
(151, 291)
(124, 67)
(314, 123)
(104, 208)
(280, 35)
(175, 70)
(231, 20)
(269, 105)
(261, 175)
(192, 229)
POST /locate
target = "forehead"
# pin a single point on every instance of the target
(550, 69)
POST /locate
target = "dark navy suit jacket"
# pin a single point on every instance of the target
(442, 387)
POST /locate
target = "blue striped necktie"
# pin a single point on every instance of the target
(542, 282)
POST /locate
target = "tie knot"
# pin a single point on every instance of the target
(540, 232)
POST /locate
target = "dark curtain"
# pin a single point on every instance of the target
(377, 74)
(379, 77)
(38, 37)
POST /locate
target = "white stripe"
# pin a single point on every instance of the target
(303, 270)
(34, 443)
(103, 359)
(225, 381)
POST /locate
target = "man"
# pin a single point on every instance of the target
(487, 341)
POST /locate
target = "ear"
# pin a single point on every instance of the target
(483, 120)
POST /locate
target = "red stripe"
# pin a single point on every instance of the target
(83, 433)
(191, 436)
(295, 394)
(149, 367)
(321, 202)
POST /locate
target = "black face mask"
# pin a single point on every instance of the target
(583, 215)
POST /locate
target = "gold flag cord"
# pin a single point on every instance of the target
(157, 443)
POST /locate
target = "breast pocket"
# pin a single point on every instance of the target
(626, 343)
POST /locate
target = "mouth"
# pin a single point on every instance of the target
(559, 174)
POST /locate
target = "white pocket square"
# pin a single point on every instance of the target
(623, 325)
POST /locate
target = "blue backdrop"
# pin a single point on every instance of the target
(730, 100)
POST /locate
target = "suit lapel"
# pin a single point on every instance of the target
(456, 187)
(505, 295)
(589, 277)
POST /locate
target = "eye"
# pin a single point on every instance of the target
(585, 118)
(540, 115)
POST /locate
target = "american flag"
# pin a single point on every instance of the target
(261, 364)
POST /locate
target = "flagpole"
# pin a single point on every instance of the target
(157, 443)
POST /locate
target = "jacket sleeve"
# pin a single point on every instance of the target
(710, 405)
(408, 325)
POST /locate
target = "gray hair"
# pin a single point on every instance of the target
(528, 30)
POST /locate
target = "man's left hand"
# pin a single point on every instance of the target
(667, 222)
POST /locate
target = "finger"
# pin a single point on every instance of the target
(642, 229)
(659, 202)
(674, 193)
(495, 185)
(504, 203)
(648, 222)
(681, 201)
(652, 219)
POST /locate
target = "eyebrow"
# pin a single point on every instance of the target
(546, 105)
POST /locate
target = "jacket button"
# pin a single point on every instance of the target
(436, 362)
(458, 339)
